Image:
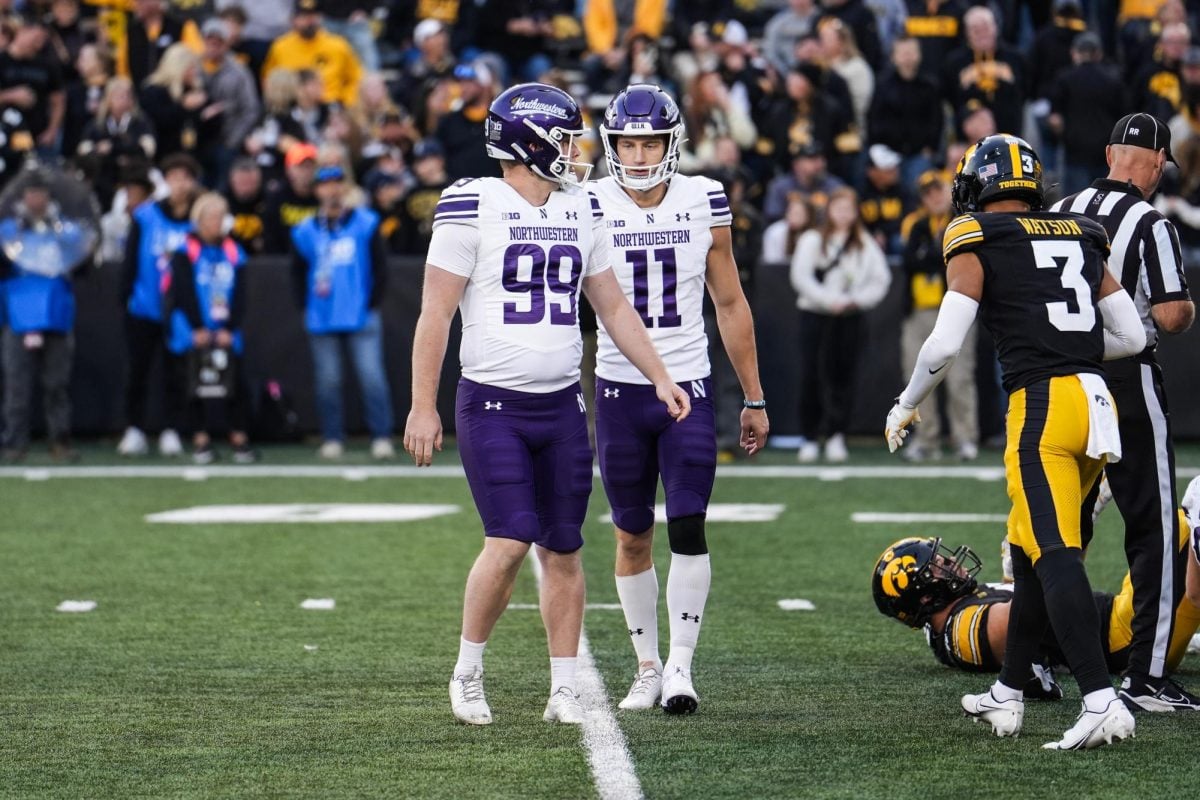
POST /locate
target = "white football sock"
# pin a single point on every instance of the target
(1003, 692)
(687, 590)
(562, 674)
(470, 657)
(639, 600)
(1098, 700)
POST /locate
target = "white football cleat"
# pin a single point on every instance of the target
(678, 696)
(133, 443)
(1194, 644)
(331, 450)
(1004, 717)
(564, 707)
(169, 444)
(835, 449)
(1094, 729)
(382, 450)
(808, 453)
(467, 699)
(645, 692)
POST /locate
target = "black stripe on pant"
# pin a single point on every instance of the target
(1034, 482)
(1143, 487)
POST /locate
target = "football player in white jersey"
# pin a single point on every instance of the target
(512, 254)
(670, 238)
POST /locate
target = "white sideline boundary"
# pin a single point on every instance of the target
(607, 751)
(898, 472)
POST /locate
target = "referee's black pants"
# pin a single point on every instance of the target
(1143, 486)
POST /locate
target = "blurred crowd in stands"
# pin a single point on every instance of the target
(787, 102)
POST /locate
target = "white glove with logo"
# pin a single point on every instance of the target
(898, 420)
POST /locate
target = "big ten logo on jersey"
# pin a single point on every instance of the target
(550, 279)
(615, 223)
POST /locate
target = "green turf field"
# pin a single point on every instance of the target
(199, 675)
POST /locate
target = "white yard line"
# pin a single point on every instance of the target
(607, 751)
(899, 472)
(893, 517)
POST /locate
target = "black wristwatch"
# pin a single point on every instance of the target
(755, 404)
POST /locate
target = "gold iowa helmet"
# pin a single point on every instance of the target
(916, 578)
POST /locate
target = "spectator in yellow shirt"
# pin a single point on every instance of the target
(309, 44)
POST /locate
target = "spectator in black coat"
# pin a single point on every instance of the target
(1157, 86)
(937, 25)
(906, 112)
(118, 139)
(1086, 101)
(460, 131)
(184, 116)
(860, 19)
(1051, 55)
(987, 72)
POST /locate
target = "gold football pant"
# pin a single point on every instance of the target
(1046, 464)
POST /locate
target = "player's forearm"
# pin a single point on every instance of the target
(429, 351)
(736, 324)
(1123, 332)
(954, 321)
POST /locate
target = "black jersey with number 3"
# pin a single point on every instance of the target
(1041, 283)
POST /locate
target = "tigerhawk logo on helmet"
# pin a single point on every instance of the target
(916, 578)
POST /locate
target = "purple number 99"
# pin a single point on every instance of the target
(545, 273)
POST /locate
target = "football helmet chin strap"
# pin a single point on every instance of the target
(563, 170)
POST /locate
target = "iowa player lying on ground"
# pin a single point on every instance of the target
(925, 585)
(1039, 283)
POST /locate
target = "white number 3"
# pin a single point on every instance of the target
(1067, 256)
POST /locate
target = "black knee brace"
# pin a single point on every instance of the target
(686, 535)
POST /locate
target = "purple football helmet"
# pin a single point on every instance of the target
(539, 126)
(642, 110)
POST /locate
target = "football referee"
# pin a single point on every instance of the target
(1146, 259)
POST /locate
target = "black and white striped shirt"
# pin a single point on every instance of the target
(1145, 255)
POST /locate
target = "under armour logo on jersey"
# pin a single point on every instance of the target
(612, 392)
(636, 631)
(693, 617)
(544, 213)
(572, 215)
(490, 406)
(686, 215)
(698, 389)
(582, 405)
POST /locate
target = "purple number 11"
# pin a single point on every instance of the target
(640, 261)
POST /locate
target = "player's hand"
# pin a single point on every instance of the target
(678, 404)
(896, 427)
(201, 338)
(755, 426)
(422, 435)
(224, 338)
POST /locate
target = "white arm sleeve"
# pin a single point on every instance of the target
(954, 321)
(1123, 331)
(454, 248)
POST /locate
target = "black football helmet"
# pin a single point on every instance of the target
(996, 168)
(916, 578)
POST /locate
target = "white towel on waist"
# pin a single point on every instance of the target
(1104, 436)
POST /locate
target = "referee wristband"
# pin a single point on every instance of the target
(757, 404)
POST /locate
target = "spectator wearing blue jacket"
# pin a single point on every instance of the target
(340, 269)
(204, 304)
(40, 250)
(157, 230)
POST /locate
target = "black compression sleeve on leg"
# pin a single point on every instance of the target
(686, 535)
(1026, 623)
(1072, 611)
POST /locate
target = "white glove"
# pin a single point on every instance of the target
(898, 419)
